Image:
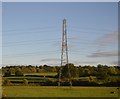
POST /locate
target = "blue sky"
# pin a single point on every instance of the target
(0, 33)
(32, 33)
(60, 1)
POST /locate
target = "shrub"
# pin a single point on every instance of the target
(6, 82)
(91, 79)
(25, 82)
(19, 73)
(7, 73)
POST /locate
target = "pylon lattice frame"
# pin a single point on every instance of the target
(64, 52)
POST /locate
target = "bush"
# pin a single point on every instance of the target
(50, 83)
(19, 73)
(25, 82)
(6, 82)
(91, 79)
(7, 73)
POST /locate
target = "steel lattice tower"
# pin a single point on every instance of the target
(64, 52)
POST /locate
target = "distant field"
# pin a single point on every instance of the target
(43, 74)
(54, 91)
(33, 77)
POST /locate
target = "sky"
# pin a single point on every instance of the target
(60, 0)
(0, 34)
(32, 33)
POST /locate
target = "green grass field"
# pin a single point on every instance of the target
(43, 74)
(54, 91)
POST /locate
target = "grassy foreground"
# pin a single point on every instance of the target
(54, 91)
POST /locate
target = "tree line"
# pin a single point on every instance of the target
(80, 75)
(76, 71)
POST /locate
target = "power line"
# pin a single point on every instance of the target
(31, 41)
(54, 27)
(89, 32)
(43, 30)
(91, 28)
(26, 43)
(47, 29)
(84, 41)
(29, 29)
(29, 54)
(23, 33)
(75, 41)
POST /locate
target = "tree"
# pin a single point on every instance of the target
(47, 68)
(102, 72)
(65, 71)
(87, 72)
(18, 73)
(81, 71)
(33, 69)
(12, 70)
(112, 71)
(7, 73)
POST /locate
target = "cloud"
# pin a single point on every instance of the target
(104, 54)
(88, 62)
(108, 39)
(115, 63)
(50, 59)
(79, 62)
(104, 41)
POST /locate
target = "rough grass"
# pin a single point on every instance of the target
(54, 91)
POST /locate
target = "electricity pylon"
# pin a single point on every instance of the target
(64, 53)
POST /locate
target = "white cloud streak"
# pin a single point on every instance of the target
(108, 39)
(50, 59)
(104, 54)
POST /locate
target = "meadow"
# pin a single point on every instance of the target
(35, 88)
(42, 74)
(61, 91)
